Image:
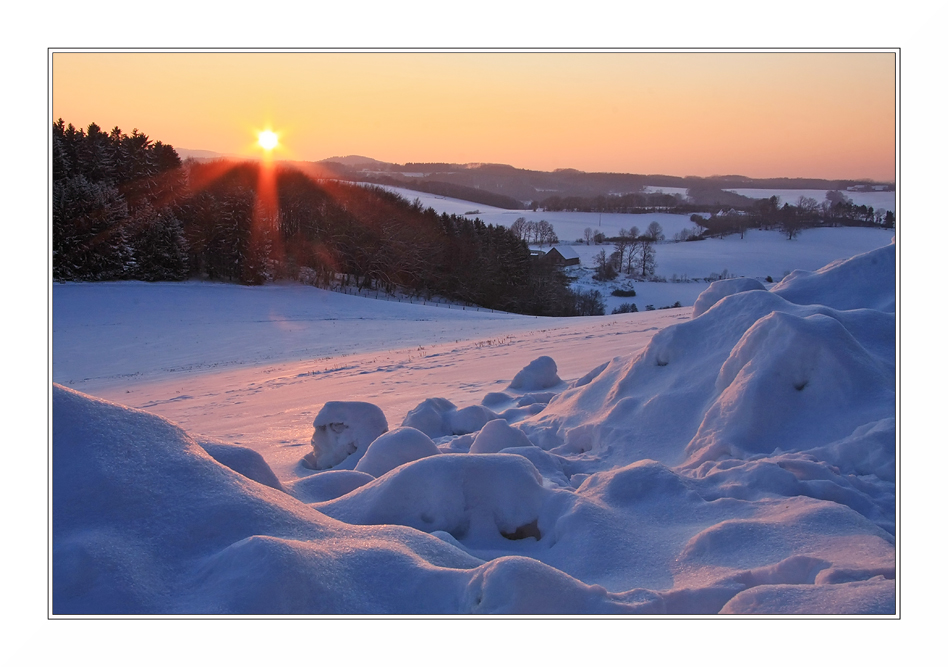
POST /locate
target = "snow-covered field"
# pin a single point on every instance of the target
(250, 364)
(758, 255)
(569, 226)
(170, 327)
(737, 458)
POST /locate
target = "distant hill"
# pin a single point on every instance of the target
(505, 186)
(520, 187)
(185, 153)
(355, 161)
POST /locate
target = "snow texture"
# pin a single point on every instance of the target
(742, 462)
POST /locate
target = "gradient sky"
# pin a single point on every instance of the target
(818, 115)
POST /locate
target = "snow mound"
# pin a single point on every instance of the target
(757, 397)
(392, 449)
(496, 398)
(146, 522)
(789, 383)
(538, 374)
(478, 500)
(343, 430)
(439, 417)
(470, 419)
(787, 356)
(876, 596)
(863, 281)
(498, 435)
(721, 289)
(242, 460)
(517, 585)
(869, 450)
(327, 485)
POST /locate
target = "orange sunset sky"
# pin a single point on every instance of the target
(818, 115)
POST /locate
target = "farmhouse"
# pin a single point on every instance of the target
(562, 256)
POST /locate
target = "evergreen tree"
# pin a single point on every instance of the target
(89, 235)
(159, 246)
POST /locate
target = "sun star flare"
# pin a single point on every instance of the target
(268, 140)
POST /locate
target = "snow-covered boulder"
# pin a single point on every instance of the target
(343, 430)
(398, 446)
(429, 417)
(497, 435)
(538, 374)
(470, 419)
(496, 398)
(722, 288)
(439, 417)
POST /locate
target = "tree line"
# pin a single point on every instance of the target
(111, 206)
(440, 188)
(733, 213)
(767, 214)
(634, 202)
(126, 207)
(537, 232)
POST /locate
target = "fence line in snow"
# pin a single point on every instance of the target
(352, 291)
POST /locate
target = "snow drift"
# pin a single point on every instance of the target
(743, 462)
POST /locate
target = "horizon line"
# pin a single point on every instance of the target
(256, 158)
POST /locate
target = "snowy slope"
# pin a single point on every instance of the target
(742, 461)
(154, 329)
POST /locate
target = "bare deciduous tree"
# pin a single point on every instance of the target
(655, 232)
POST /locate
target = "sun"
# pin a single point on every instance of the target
(268, 140)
